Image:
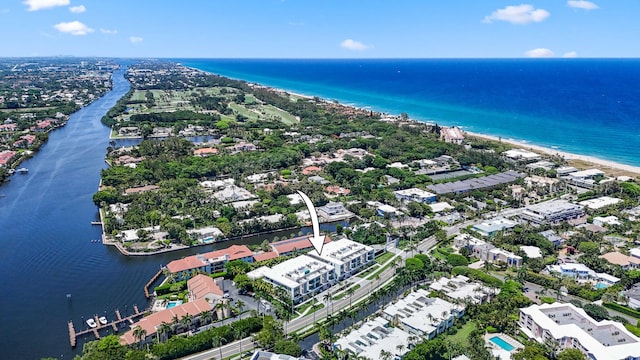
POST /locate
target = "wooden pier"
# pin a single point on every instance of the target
(73, 334)
(153, 279)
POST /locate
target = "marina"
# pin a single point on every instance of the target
(99, 323)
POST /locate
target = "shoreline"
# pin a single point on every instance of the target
(605, 164)
(581, 160)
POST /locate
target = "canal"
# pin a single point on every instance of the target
(46, 252)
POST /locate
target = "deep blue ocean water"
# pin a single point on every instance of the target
(584, 106)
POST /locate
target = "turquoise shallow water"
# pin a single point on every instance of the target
(589, 107)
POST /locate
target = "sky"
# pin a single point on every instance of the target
(320, 29)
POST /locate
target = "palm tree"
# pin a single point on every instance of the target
(217, 342)
(400, 347)
(350, 292)
(163, 331)
(239, 333)
(385, 355)
(206, 317)
(220, 307)
(139, 334)
(175, 322)
(328, 297)
(240, 305)
(186, 321)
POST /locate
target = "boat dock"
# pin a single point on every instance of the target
(73, 334)
(153, 279)
(96, 223)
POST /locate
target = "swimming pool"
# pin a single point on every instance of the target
(503, 344)
(173, 304)
(601, 285)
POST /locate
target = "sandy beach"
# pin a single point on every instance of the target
(579, 161)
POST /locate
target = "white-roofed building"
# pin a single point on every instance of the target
(493, 226)
(372, 337)
(421, 315)
(521, 155)
(600, 202)
(571, 327)
(532, 252)
(300, 277)
(606, 220)
(486, 251)
(552, 212)
(205, 234)
(346, 256)
(574, 270)
(415, 194)
(462, 288)
(440, 207)
(585, 178)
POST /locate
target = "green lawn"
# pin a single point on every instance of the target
(373, 276)
(463, 334)
(344, 293)
(384, 258)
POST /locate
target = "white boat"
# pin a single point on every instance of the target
(92, 323)
(23, 170)
(103, 320)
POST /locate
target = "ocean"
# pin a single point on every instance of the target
(582, 106)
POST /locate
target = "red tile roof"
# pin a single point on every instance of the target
(233, 252)
(310, 169)
(141, 189)
(265, 256)
(201, 285)
(5, 156)
(151, 322)
(338, 190)
(205, 151)
(297, 243)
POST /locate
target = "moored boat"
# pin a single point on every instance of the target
(92, 323)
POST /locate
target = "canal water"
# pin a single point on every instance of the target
(46, 248)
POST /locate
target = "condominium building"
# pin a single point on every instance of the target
(486, 251)
(374, 336)
(552, 212)
(211, 262)
(346, 256)
(301, 277)
(422, 315)
(571, 328)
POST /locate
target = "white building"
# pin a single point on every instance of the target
(415, 194)
(493, 226)
(574, 270)
(532, 252)
(600, 202)
(300, 277)
(521, 155)
(486, 251)
(606, 220)
(572, 328)
(420, 315)
(205, 234)
(553, 212)
(372, 337)
(462, 288)
(346, 256)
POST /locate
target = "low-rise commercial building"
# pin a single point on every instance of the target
(571, 328)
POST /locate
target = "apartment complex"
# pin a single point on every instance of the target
(572, 328)
(421, 315)
(346, 256)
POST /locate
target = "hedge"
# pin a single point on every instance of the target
(623, 309)
(477, 275)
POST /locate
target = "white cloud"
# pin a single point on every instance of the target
(73, 28)
(353, 45)
(539, 53)
(108, 31)
(135, 39)
(35, 5)
(582, 4)
(77, 9)
(570, 54)
(518, 14)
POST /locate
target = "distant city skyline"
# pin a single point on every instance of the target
(327, 29)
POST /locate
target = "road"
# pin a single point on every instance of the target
(366, 287)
